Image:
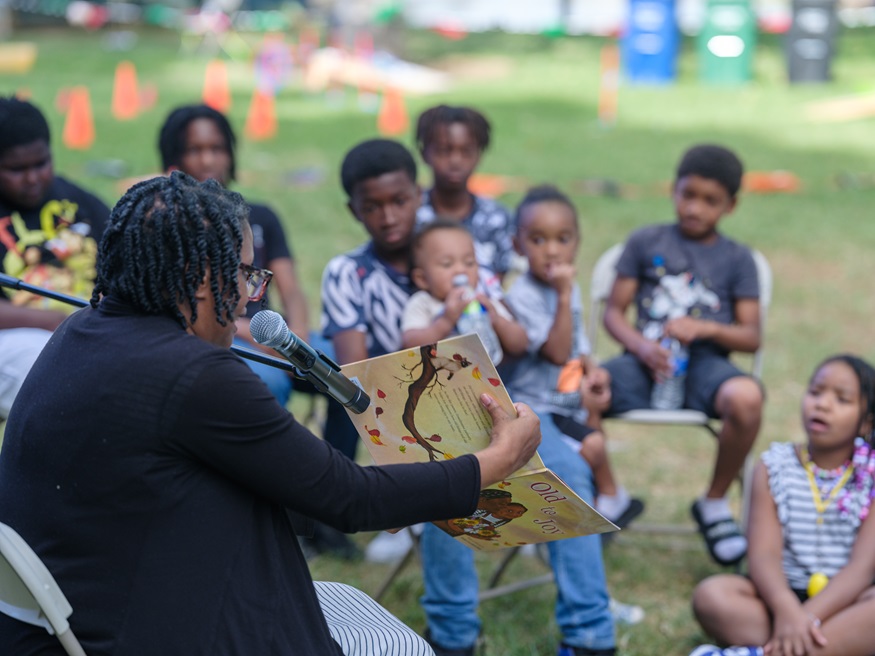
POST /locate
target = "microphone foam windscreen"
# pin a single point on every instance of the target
(268, 328)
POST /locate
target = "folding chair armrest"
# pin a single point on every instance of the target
(650, 416)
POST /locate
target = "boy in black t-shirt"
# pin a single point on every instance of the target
(692, 284)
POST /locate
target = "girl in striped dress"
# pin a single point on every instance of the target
(812, 553)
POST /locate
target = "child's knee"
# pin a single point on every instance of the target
(592, 449)
(740, 397)
(708, 597)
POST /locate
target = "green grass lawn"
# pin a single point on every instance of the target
(541, 96)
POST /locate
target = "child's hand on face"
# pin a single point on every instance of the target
(561, 277)
(455, 303)
(595, 387)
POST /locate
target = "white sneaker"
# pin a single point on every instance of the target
(388, 547)
(625, 613)
(529, 550)
(711, 650)
(706, 650)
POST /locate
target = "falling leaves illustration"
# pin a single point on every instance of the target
(448, 456)
(378, 411)
(434, 438)
(402, 449)
(476, 373)
(375, 435)
(408, 439)
(494, 382)
(381, 394)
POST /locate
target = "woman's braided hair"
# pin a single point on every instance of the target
(163, 236)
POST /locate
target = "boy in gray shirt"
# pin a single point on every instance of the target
(690, 283)
(556, 376)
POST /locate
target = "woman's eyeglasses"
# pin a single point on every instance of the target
(256, 281)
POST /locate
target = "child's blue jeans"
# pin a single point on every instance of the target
(582, 613)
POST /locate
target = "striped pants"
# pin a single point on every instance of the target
(364, 628)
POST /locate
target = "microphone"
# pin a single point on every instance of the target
(268, 328)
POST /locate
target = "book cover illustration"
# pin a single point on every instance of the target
(425, 406)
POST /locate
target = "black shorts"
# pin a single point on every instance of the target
(631, 383)
(573, 429)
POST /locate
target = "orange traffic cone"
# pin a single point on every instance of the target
(261, 119)
(216, 93)
(79, 125)
(609, 86)
(125, 94)
(392, 118)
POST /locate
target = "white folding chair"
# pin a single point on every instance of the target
(603, 275)
(29, 593)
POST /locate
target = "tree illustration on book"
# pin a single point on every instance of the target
(425, 407)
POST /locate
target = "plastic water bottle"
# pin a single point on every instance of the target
(668, 394)
(475, 319)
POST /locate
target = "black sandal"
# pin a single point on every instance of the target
(635, 508)
(716, 532)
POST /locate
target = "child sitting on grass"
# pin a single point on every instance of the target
(546, 300)
(451, 141)
(442, 256)
(808, 529)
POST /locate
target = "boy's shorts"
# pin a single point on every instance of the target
(631, 383)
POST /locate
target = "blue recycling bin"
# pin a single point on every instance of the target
(650, 44)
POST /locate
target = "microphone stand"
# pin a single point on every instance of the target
(14, 283)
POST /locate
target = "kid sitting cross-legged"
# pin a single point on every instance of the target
(808, 529)
(546, 300)
(442, 257)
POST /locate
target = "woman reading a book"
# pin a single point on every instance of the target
(142, 447)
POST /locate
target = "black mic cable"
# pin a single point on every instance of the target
(14, 283)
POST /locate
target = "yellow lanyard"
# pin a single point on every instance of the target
(821, 504)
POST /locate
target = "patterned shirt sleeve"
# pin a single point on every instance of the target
(342, 298)
(503, 240)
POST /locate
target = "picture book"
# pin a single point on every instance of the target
(425, 407)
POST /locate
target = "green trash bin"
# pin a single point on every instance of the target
(726, 42)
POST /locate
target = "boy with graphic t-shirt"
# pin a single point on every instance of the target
(690, 283)
(451, 141)
(49, 231)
